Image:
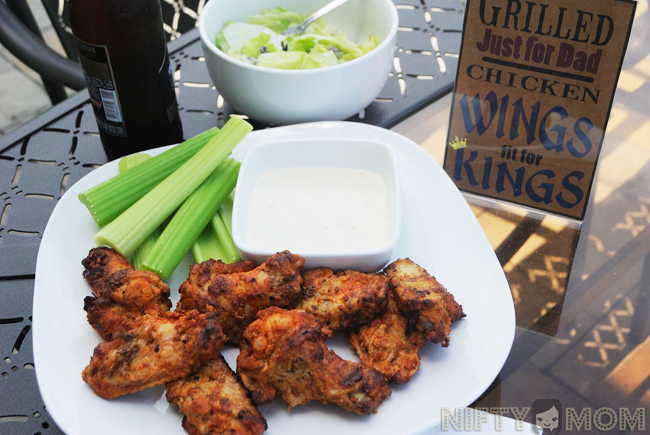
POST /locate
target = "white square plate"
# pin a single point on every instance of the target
(439, 232)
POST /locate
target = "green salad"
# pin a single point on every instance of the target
(260, 42)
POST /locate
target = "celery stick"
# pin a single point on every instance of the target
(126, 163)
(131, 161)
(138, 257)
(207, 245)
(225, 238)
(132, 227)
(109, 199)
(215, 242)
(190, 219)
(226, 211)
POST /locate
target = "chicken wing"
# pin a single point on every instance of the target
(158, 349)
(124, 293)
(386, 346)
(344, 299)
(426, 303)
(237, 297)
(100, 264)
(284, 353)
(214, 402)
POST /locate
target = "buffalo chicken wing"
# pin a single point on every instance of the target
(344, 299)
(123, 293)
(426, 303)
(158, 349)
(387, 346)
(237, 297)
(214, 402)
(283, 353)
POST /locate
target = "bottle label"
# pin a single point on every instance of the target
(100, 81)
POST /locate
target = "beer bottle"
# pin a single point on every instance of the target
(123, 52)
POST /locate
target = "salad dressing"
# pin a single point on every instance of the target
(318, 209)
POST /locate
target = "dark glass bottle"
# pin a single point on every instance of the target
(123, 52)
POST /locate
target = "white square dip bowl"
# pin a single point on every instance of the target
(363, 155)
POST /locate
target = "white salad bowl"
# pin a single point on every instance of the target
(278, 96)
(321, 153)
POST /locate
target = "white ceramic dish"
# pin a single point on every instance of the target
(321, 152)
(439, 231)
(280, 97)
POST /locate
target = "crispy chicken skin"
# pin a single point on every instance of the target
(202, 273)
(385, 345)
(454, 309)
(158, 349)
(130, 293)
(283, 353)
(99, 265)
(425, 302)
(124, 293)
(344, 299)
(237, 297)
(214, 402)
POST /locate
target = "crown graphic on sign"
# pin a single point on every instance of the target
(458, 143)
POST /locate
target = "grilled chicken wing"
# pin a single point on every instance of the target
(237, 297)
(99, 265)
(129, 294)
(123, 293)
(425, 302)
(158, 349)
(284, 353)
(214, 402)
(387, 346)
(344, 299)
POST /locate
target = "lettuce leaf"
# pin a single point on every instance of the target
(258, 45)
(236, 34)
(278, 19)
(301, 44)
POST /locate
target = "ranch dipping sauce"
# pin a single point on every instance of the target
(318, 209)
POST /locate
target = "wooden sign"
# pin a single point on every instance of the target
(532, 98)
